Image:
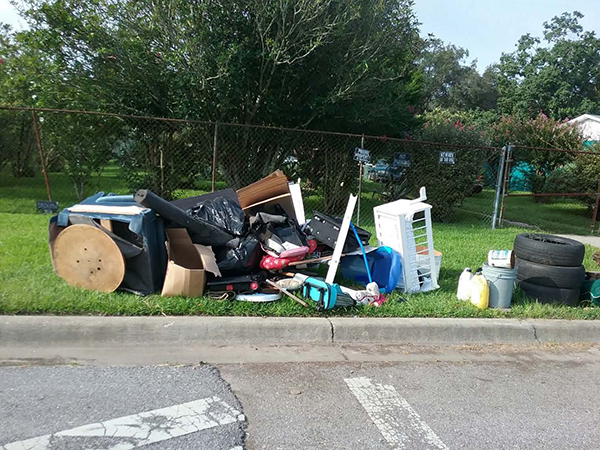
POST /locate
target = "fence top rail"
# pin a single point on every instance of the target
(561, 150)
(204, 122)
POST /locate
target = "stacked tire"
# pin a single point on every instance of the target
(549, 268)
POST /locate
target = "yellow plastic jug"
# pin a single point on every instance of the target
(480, 291)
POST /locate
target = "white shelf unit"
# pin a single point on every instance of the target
(405, 226)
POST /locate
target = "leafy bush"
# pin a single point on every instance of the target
(164, 156)
(17, 144)
(447, 184)
(327, 166)
(586, 175)
(561, 180)
(540, 132)
(580, 176)
(84, 144)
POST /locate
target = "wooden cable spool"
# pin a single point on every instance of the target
(88, 258)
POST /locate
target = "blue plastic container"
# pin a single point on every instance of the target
(385, 266)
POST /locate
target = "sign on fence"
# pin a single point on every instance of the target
(401, 159)
(46, 207)
(361, 155)
(447, 158)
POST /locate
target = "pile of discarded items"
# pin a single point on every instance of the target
(251, 245)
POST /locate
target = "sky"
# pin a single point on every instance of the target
(9, 15)
(486, 28)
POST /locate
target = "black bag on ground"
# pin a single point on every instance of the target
(201, 231)
(222, 212)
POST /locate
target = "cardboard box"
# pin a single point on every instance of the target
(187, 265)
(266, 193)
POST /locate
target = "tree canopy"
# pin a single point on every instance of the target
(346, 65)
(558, 75)
(286, 62)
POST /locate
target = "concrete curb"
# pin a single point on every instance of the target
(163, 331)
(57, 331)
(564, 331)
(431, 331)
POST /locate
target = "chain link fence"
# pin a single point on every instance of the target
(553, 190)
(86, 152)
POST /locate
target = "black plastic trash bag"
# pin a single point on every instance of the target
(201, 231)
(223, 213)
(244, 258)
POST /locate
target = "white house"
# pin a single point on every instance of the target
(589, 124)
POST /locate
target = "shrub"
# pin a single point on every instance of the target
(561, 180)
(586, 174)
(580, 176)
(540, 132)
(447, 184)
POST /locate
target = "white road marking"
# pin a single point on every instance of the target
(144, 428)
(397, 421)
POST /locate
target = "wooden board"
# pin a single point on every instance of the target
(106, 223)
(86, 257)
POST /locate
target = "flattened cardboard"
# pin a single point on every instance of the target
(271, 190)
(208, 259)
(185, 272)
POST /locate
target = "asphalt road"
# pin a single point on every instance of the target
(475, 405)
(480, 397)
(42, 401)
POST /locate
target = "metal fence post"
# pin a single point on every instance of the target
(39, 146)
(214, 159)
(595, 215)
(360, 175)
(505, 182)
(162, 172)
(498, 187)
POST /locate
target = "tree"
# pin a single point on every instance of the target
(31, 76)
(443, 68)
(21, 72)
(453, 83)
(475, 91)
(299, 63)
(557, 75)
(290, 62)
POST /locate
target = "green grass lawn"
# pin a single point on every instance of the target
(29, 286)
(559, 215)
(19, 195)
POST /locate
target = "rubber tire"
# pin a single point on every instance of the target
(550, 276)
(544, 294)
(549, 250)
